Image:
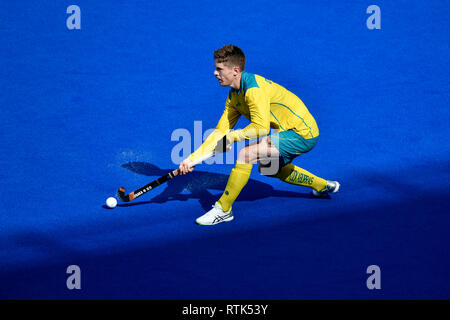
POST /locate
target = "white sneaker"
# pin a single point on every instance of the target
(214, 216)
(332, 187)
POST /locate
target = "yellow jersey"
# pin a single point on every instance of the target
(267, 105)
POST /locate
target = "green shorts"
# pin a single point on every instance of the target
(290, 145)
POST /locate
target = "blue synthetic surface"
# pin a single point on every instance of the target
(87, 111)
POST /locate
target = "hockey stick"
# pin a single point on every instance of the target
(139, 192)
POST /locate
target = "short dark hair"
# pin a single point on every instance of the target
(231, 56)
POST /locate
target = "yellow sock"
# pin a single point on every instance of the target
(295, 175)
(238, 179)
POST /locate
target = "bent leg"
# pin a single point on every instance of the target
(262, 150)
(236, 182)
(288, 146)
(241, 173)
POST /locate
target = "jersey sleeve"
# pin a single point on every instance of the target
(227, 122)
(259, 107)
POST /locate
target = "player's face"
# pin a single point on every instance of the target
(224, 74)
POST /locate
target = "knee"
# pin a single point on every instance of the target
(248, 154)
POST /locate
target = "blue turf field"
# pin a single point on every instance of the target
(87, 111)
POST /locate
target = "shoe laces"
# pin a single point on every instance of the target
(218, 207)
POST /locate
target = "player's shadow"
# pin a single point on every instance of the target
(200, 183)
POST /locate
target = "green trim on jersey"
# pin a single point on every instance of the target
(310, 132)
(248, 81)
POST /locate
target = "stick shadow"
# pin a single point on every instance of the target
(199, 184)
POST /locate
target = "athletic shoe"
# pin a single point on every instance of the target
(332, 187)
(215, 215)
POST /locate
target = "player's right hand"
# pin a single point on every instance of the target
(184, 167)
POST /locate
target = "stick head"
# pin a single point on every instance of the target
(125, 198)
